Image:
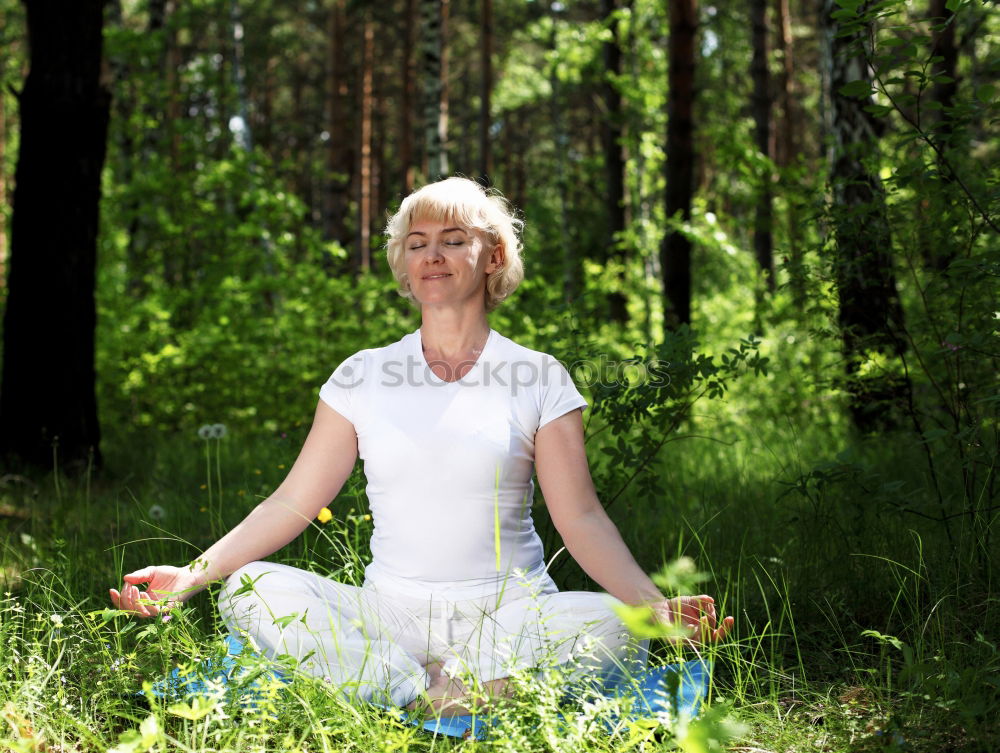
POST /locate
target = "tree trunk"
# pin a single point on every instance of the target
(3, 174)
(614, 158)
(785, 152)
(761, 106)
(943, 46)
(485, 91)
(406, 104)
(870, 315)
(47, 394)
(675, 251)
(433, 75)
(366, 106)
(338, 150)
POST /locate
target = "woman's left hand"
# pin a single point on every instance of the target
(696, 615)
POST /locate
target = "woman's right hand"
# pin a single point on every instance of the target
(166, 587)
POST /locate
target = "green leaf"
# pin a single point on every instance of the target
(879, 111)
(985, 93)
(858, 89)
(954, 5)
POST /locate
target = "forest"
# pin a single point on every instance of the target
(763, 237)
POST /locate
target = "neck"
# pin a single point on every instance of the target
(451, 333)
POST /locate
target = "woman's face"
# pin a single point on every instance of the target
(447, 264)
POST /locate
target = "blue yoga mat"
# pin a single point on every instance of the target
(676, 690)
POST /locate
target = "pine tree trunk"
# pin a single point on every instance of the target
(761, 106)
(47, 394)
(338, 150)
(433, 74)
(785, 152)
(3, 175)
(870, 314)
(406, 104)
(943, 46)
(614, 157)
(485, 91)
(675, 251)
(366, 106)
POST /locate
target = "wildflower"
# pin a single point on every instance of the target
(57, 619)
(156, 513)
(202, 487)
(218, 431)
(205, 432)
(202, 509)
(325, 516)
(281, 465)
(258, 471)
(368, 517)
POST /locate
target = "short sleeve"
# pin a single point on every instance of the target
(341, 390)
(558, 393)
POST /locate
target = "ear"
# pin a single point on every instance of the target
(496, 259)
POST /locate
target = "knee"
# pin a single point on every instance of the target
(240, 583)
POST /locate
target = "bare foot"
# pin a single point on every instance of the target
(447, 696)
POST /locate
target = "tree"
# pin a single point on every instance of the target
(433, 78)
(675, 250)
(761, 106)
(485, 89)
(47, 393)
(870, 315)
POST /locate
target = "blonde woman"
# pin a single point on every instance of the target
(451, 423)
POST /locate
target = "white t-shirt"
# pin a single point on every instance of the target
(449, 464)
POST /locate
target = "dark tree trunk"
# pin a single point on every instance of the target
(870, 314)
(406, 104)
(675, 251)
(366, 107)
(3, 176)
(485, 90)
(434, 95)
(761, 106)
(943, 46)
(338, 149)
(47, 394)
(614, 157)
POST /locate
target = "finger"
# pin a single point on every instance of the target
(139, 576)
(115, 597)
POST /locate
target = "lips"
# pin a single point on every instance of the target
(436, 277)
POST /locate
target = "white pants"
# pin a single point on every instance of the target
(374, 644)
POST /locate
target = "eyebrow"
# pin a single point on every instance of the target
(446, 230)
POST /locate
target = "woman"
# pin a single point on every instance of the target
(450, 423)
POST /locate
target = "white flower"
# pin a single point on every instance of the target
(218, 431)
(205, 432)
(156, 513)
(57, 619)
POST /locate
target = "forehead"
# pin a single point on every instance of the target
(429, 226)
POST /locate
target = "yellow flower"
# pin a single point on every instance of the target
(368, 517)
(281, 465)
(203, 509)
(202, 487)
(325, 516)
(257, 471)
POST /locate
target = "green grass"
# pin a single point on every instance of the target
(859, 627)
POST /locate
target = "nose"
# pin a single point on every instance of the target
(434, 254)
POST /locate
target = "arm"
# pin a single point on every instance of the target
(590, 535)
(319, 472)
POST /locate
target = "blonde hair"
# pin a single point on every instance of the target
(468, 204)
